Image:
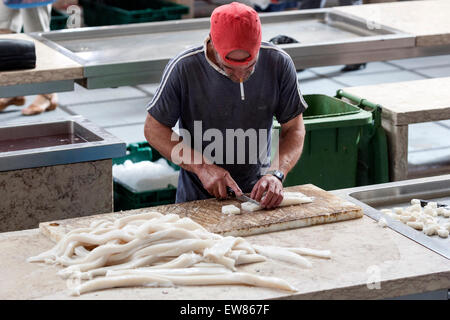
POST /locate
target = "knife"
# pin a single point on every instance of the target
(423, 203)
(242, 198)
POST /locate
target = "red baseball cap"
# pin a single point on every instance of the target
(236, 26)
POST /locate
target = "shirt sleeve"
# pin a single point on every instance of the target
(291, 99)
(165, 106)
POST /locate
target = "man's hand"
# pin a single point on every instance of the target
(216, 179)
(273, 188)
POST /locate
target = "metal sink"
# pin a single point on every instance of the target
(30, 145)
(402, 194)
(40, 136)
(399, 194)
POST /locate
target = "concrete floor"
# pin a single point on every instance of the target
(121, 111)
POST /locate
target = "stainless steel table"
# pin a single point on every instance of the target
(137, 53)
(399, 194)
(113, 56)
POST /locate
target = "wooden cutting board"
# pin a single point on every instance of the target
(325, 208)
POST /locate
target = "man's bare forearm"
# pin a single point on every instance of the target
(164, 139)
(214, 178)
(290, 147)
(290, 150)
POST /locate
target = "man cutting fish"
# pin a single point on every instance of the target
(223, 93)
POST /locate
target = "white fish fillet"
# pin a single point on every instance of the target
(81, 251)
(183, 261)
(233, 278)
(175, 248)
(244, 245)
(217, 253)
(231, 209)
(106, 249)
(168, 272)
(326, 254)
(443, 233)
(282, 254)
(167, 280)
(84, 237)
(249, 258)
(120, 281)
(103, 270)
(289, 199)
(250, 206)
(83, 267)
(144, 216)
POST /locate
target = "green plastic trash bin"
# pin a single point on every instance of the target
(58, 20)
(373, 161)
(114, 12)
(330, 152)
(125, 198)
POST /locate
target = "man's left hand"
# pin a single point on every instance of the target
(274, 191)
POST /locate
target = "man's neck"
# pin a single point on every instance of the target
(210, 52)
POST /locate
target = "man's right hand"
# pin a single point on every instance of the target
(216, 179)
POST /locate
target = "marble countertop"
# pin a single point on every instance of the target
(427, 20)
(409, 101)
(363, 254)
(50, 66)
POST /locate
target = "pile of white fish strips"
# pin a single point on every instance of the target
(156, 250)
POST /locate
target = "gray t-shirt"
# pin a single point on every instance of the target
(193, 89)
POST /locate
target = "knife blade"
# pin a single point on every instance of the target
(242, 198)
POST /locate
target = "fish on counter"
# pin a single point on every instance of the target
(152, 249)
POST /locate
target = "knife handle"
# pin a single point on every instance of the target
(230, 192)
